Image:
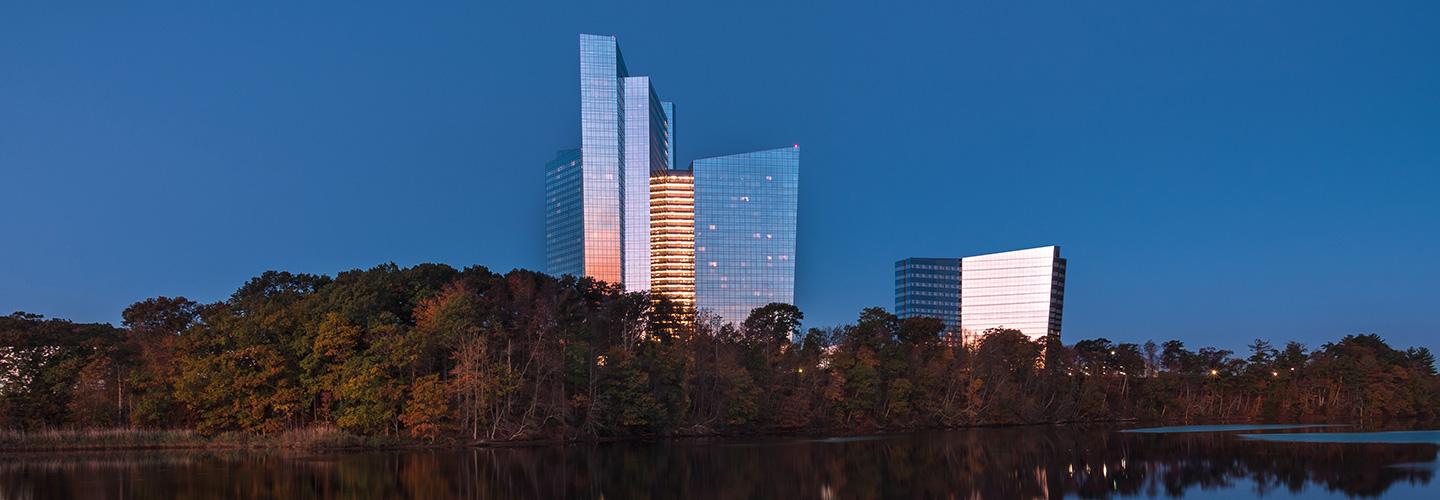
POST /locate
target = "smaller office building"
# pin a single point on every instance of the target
(1022, 290)
(929, 287)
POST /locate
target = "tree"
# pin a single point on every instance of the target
(1007, 360)
(670, 319)
(874, 328)
(430, 352)
(920, 330)
(1096, 355)
(1177, 359)
(1217, 361)
(427, 411)
(1292, 358)
(1363, 376)
(45, 365)
(154, 326)
(160, 316)
(239, 366)
(94, 402)
(1127, 359)
(1152, 358)
(856, 394)
(1421, 360)
(774, 324)
(1008, 351)
(455, 317)
(1262, 357)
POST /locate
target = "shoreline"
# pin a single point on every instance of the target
(334, 440)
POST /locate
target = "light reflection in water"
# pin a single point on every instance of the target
(1024, 462)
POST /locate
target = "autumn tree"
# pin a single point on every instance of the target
(239, 366)
(153, 326)
(51, 369)
(1007, 361)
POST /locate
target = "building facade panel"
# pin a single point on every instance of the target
(929, 287)
(646, 153)
(669, 109)
(564, 215)
(636, 171)
(745, 215)
(1021, 290)
(602, 148)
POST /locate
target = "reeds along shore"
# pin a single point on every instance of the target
(311, 438)
(431, 353)
(99, 439)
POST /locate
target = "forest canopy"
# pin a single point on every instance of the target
(431, 352)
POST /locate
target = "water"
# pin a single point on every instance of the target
(1223, 428)
(1023, 462)
(1432, 437)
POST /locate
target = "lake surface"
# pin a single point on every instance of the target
(1020, 462)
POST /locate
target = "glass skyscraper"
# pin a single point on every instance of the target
(618, 209)
(1022, 290)
(745, 207)
(624, 136)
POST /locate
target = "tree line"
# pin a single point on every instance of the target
(432, 352)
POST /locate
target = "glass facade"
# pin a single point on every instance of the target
(719, 236)
(929, 287)
(672, 236)
(564, 237)
(625, 136)
(645, 152)
(669, 109)
(745, 212)
(1023, 290)
(601, 146)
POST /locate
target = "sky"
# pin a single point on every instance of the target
(1215, 172)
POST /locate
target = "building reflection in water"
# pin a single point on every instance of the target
(1025, 462)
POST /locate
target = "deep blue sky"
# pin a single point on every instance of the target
(1214, 172)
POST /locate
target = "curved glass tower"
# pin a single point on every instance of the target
(745, 207)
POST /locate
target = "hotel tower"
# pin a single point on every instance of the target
(718, 235)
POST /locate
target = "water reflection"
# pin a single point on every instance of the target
(1028, 462)
(1432, 437)
(1226, 428)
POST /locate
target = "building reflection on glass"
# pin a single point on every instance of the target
(745, 208)
(625, 136)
